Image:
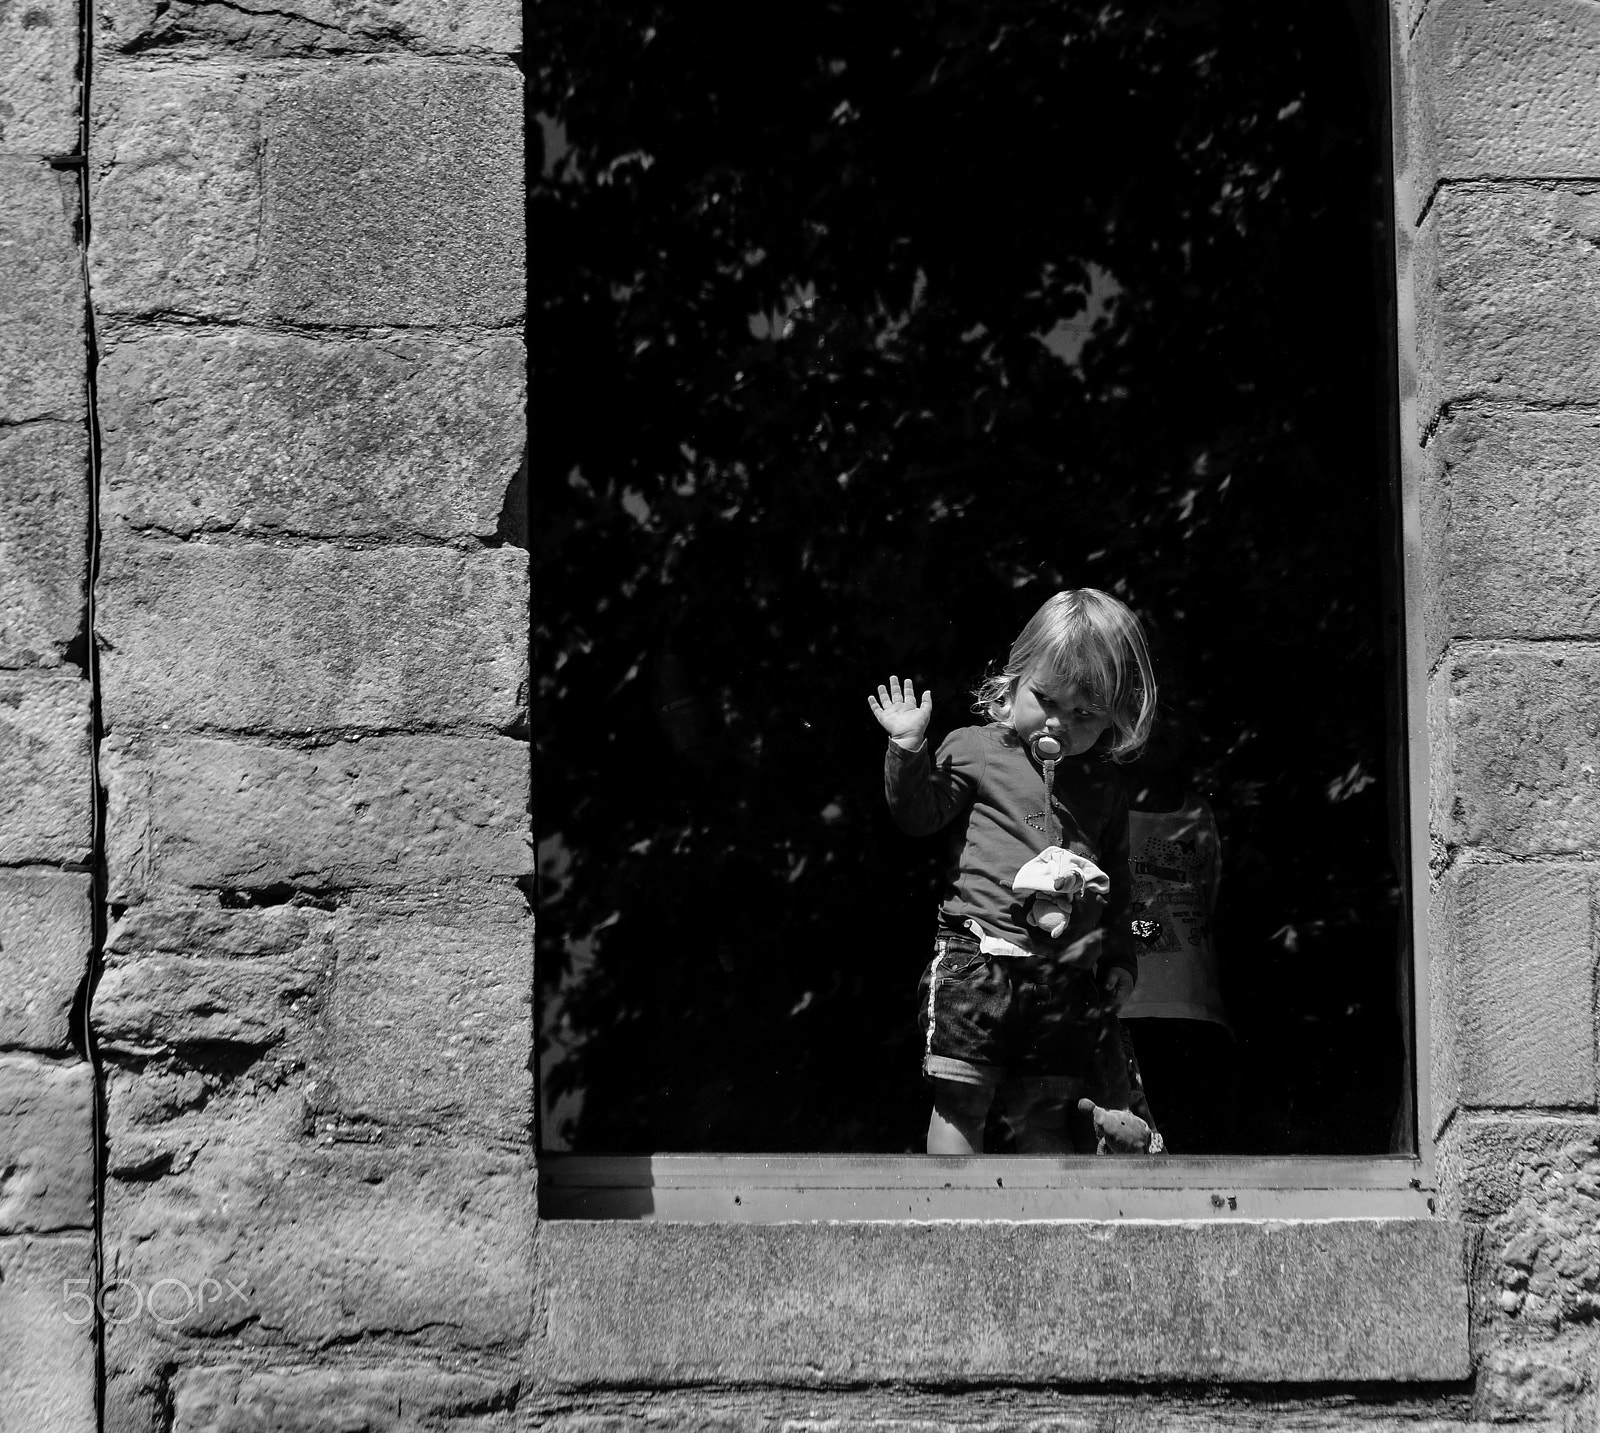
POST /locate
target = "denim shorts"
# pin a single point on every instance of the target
(988, 1018)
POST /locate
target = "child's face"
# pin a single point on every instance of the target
(1063, 709)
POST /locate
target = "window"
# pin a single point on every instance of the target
(858, 335)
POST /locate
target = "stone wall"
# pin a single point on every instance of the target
(304, 234)
(1499, 217)
(314, 1014)
(47, 1173)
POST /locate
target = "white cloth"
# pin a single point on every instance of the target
(1056, 871)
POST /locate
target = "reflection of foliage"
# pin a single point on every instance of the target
(798, 427)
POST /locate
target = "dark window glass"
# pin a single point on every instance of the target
(857, 331)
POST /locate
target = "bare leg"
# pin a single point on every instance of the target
(959, 1113)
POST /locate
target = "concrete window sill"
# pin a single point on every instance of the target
(955, 1302)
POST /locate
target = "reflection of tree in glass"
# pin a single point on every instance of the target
(857, 331)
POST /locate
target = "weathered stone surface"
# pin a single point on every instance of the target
(47, 1375)
(1532, 1184)
(410, 435)
(176, 190)
(46, 776)
(1408, 13)
(44, 537)
(252, 638)
(394, 196)
(1544, 1247)
(1512, 525)
(46, 931)
(1515, 751)
(301, 27)
(1529, 1383)
(156, 993)
(386, 811)
(46, 1146)
(1481, 1155)
(39, 81)
(1513, 1021)
(43, 361)
(411, 1011)
(1506, 91)
(389, 194)
(317, 1399)
(973, 1303)
(430, 1018)
(1508, 295)
(308, 1244)
(1005, 1410)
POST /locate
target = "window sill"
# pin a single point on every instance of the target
(958, 1302)
(757, 1189)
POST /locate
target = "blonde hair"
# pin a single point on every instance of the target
(1090, 639)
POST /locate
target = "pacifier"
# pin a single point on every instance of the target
(1046, 747)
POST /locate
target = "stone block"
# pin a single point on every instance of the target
(175, 191)
(388, 811)
(314, 1244)
(398, 1398)
(46, 1146)
(1505, 91)
(44, 541)
(972, 1303)
(410, 1011)
(395, 196)
(1522, 1384)
(1512, 523)
(1516, 747)
(412, 435)
(1508, 294)
(295, 639)
(150, 1105)
(383, 195)
(47, 1351)
(43, 361)
(39, 82)
(429, 1022)
(1515, 1001)
(1542, 1252)
(1481, 1154)
(310, 27)
(156, 1003)
(46, 767)
(46, 934)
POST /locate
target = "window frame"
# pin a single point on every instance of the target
(785, 1188)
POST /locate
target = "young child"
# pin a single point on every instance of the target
(1009, 1009)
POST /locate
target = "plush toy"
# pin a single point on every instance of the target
(1121, 1131)
(1054, 879)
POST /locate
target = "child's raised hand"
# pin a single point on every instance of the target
(900, 713)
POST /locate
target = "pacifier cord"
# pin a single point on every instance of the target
(1047, 749)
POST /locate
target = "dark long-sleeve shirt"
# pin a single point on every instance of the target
(985, 786)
